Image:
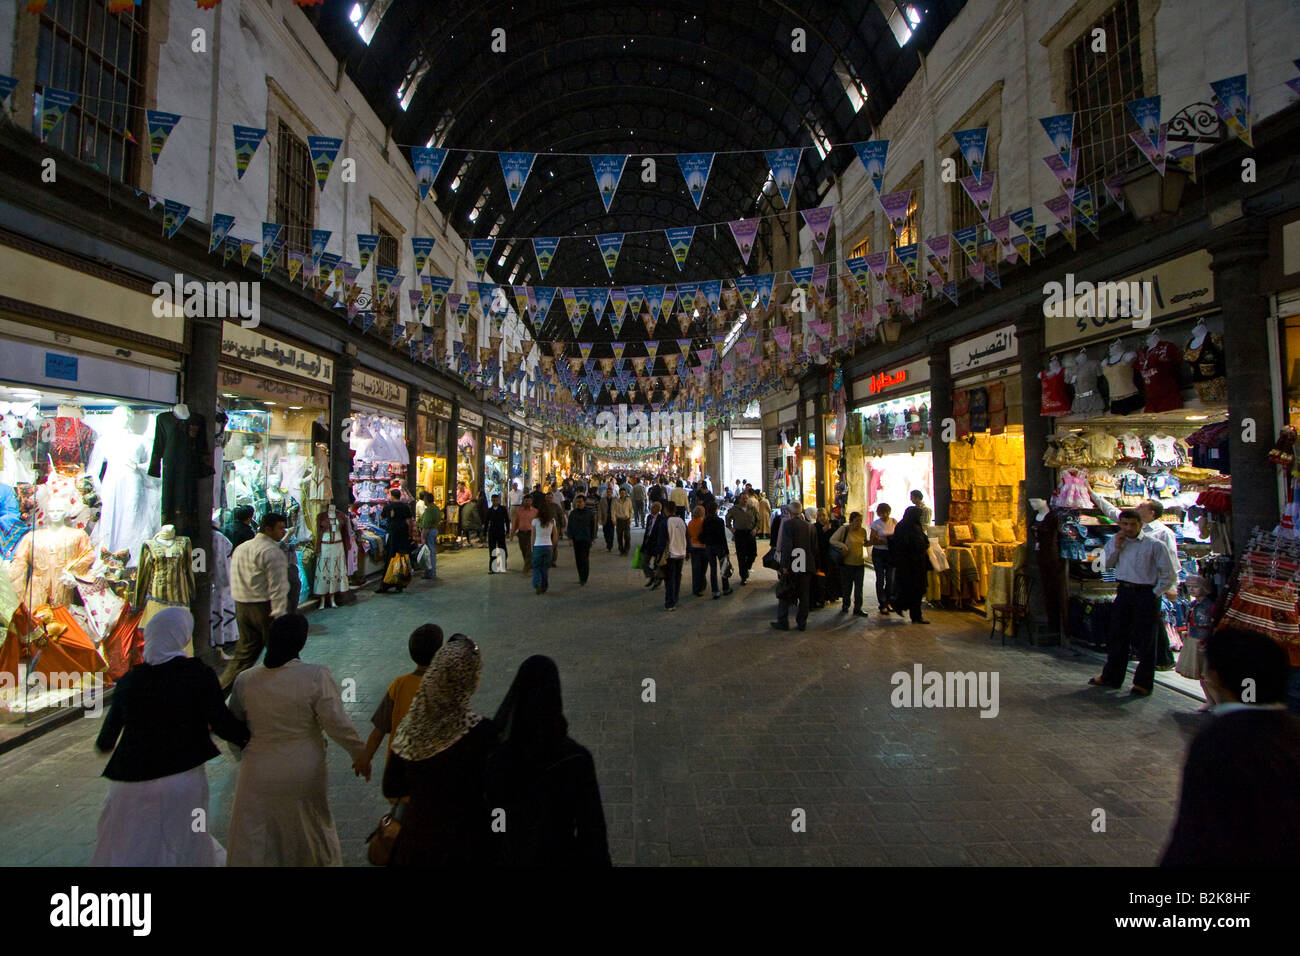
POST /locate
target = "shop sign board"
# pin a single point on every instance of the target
(866, 387)
(471, 418)
(435, 406)
(497, 430)
(251, 346)
(262, 388)
(1174, 287)
(991, 348)
(378, 389)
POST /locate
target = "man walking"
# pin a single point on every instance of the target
(679, 498)
(674, 556)
(498, 530)
(652, 543)
(794, 545)
(582, 532)
(1144, 571)
(522, 527)
(742, 519)
(621, 508)
(259, 583)
(638, 501)
(428, 525)
(605, 514)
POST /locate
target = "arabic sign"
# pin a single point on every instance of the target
(987, 349)
(435, 406)
(891, 380)
(1176, 286)
(367, 385)
(257, 387)
(470, 418)
(251, 346)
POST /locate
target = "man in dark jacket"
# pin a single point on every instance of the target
(498, 530)
(653, 543)
(795, 548)
(582, 531)
(240, 526)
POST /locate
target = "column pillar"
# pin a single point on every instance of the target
(412, 436)
(201, 396)
(1237, 251)
(453, 432)
(940, 410)
(340, 436)
(1031, 335)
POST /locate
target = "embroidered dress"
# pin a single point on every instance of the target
(1056, 397)
(1087, 396)
(1158, 367)
(40, 560)
(331, 558)
(166, 576)
(1073, 490)
(68, 442)
(102, 592)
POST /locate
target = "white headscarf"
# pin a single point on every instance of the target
(167, 634)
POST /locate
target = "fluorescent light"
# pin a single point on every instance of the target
(1197, 418)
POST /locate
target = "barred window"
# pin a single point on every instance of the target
(861, 249)
(386, 253)
(1100, 85)
(84, 49)
(963, 214)
(295, 185)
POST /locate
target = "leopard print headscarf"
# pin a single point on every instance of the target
(440, 714)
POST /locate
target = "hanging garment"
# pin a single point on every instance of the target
(166, 574)
(103, 592)
(332, 544)
(1087, 396)
(961, 411)
(180, 457)
(1124, 395)
(979, 409)
(1072, 491)
(1056, 397)
(223, 627)
(19, 438)
(12, 527)
(1102, 449)
(997, 408)
(1130, 446)
(130, 498)
(1209, 372)
(1164, 451)
(67, 442)
(1158, 367)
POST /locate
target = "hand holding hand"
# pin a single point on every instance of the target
(361, 767)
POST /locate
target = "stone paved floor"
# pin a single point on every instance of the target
(748, 726)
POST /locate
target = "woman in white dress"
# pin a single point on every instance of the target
(281, 814)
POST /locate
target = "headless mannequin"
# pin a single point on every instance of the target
(1119, 354)
(1153, 339)
(1054, 365)
(1079, 358)
(246, 480)
(1198, 335)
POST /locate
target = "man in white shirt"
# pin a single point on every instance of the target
(1144, 570)
(678, 496)
(674, 555)
(259, 583)
(1151, 512)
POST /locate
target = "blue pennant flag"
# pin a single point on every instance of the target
(608, 169)
(695, 169)
(516, 167)
(428, 161)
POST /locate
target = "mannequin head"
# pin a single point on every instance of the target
(56, 515)
(120, 416)
(291, 450)
(332, 510)
(250, 452)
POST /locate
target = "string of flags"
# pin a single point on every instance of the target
(122, 6)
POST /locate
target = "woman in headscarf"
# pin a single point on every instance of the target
(542, 779)
(438, 756)
(162, 710)
(909, 554)
(281, 814)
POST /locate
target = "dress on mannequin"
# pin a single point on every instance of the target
(1056, 399)
(12, 526)
(180, 457)
(128, 514)
(332, 541)
(1087, 395)
(1208, 368)
(100, 589)
(68, 442)
(1159, 366)
(19, 435)
(1124, 395)
(166, 575)
(43, 555)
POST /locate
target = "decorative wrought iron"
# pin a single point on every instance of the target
(1197, 123)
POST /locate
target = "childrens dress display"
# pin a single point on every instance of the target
(1087, 396)
(1056, 397)
(1125, 397)
(1158, 367)
(1073, 490)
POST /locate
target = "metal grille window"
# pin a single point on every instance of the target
(1100, 85)
(861, 249)
(295, 185)
(84, 49)
(386, 253)
(964, 213)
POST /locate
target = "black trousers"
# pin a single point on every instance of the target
(582, 559)
(1132, 625)
(699, 564)
(497, 540)
(608, 529)
(624, 526)
(672, 581)
(851, 584)
(746, 552)
(884, 577)
(714, 557)
(802, 583)
(254, 622)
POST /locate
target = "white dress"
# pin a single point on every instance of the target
(331, 561)
(126, 518)
(281, 814)
(151, 823)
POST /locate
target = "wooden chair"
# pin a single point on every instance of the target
(1018, 610)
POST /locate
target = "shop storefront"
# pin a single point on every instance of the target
(886, 443)
(519, 476)
(431, 462)
(784, 474)
(93, 513)
(380, 460)
(496, 460)
(469, 456)
(1140, 414)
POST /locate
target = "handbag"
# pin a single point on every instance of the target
(772, 560)
(379, 845)
(938, 560)
(726, 568)
(784, 589)
(399, 570)
(638, 560)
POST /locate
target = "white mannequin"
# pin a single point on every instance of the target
(1198, 334)
(246, 477)
(181, 411)
(1119, 354)
(1079, 358)
(1054, 365)
(291, 469)
(1153, 339)
(1040, 507)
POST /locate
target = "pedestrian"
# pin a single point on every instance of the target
(560, 513)
(1239, 804)
(1144, 570)
(481, 503)
(926, 516)
(429, 524)
(882, 529)
(523, 529)
(764, 508)
(851, 540)
(679, 498)
(605, 516)
(281, 813)
(656, 492)
(498, 531)
(716, 552)
(259, 583)
(544, 538)
(909, 553)
(638, 501)
(543, 780)
(742, 519)
(162, 711)
(826, 581)
(396, 515)
(421, 645)
(438, 759)
(653, 543)
(696, 550)
(240, 526)
(794, 546)
(582, 532)
(674, 555)
(463, 495)
(621, 509)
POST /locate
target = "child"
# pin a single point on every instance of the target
(1200, 623)
(424, 643)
